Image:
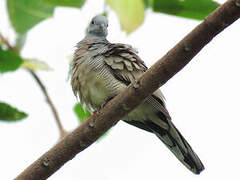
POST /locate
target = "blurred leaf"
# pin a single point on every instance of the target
(33, 64)
(24, 14)
(10, 114)
(9, 61)
(146, 3)
(69, 3)
(81, 113)
(185, 8)
(105, 13)
(129, 12)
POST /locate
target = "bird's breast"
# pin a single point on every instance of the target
(97, 84)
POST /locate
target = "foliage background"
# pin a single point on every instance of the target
(203, 100)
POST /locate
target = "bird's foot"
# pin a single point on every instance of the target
(97, 110)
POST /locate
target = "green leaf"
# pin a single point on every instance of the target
(81, 113)
(33, 64)
(146, 3)
(195, 9)
(68, 3)
(9, 61)
(24, 14)
(129, 12)
(10, 114)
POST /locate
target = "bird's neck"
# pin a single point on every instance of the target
(95, 37)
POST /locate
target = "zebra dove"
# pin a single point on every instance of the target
(101, 70)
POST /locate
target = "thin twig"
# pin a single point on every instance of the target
(6, 42)
(165, 68)
(63, 132)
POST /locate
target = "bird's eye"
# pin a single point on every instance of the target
(92, 22)
(107, 25)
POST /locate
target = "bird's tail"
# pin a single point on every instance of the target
(178, 145)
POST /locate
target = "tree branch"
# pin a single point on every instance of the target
(134, 94)
(63, 132)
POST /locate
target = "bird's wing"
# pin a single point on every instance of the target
(127, 66)
(124, 63)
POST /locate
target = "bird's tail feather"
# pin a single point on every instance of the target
(178, 145)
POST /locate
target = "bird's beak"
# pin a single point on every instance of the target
(102, 26)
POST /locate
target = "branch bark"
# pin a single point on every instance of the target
(134, 94)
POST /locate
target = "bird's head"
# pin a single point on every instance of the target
(98, 26)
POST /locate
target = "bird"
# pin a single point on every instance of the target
(100, 70)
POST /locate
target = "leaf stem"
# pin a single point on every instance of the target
(6, 42)
(63, 132)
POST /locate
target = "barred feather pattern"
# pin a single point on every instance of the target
(101, 70)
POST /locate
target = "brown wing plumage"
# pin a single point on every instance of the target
(127, 66)
(124, 62)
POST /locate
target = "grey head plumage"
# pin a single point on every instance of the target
(98, 26)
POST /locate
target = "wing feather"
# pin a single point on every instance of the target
(125, 64)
